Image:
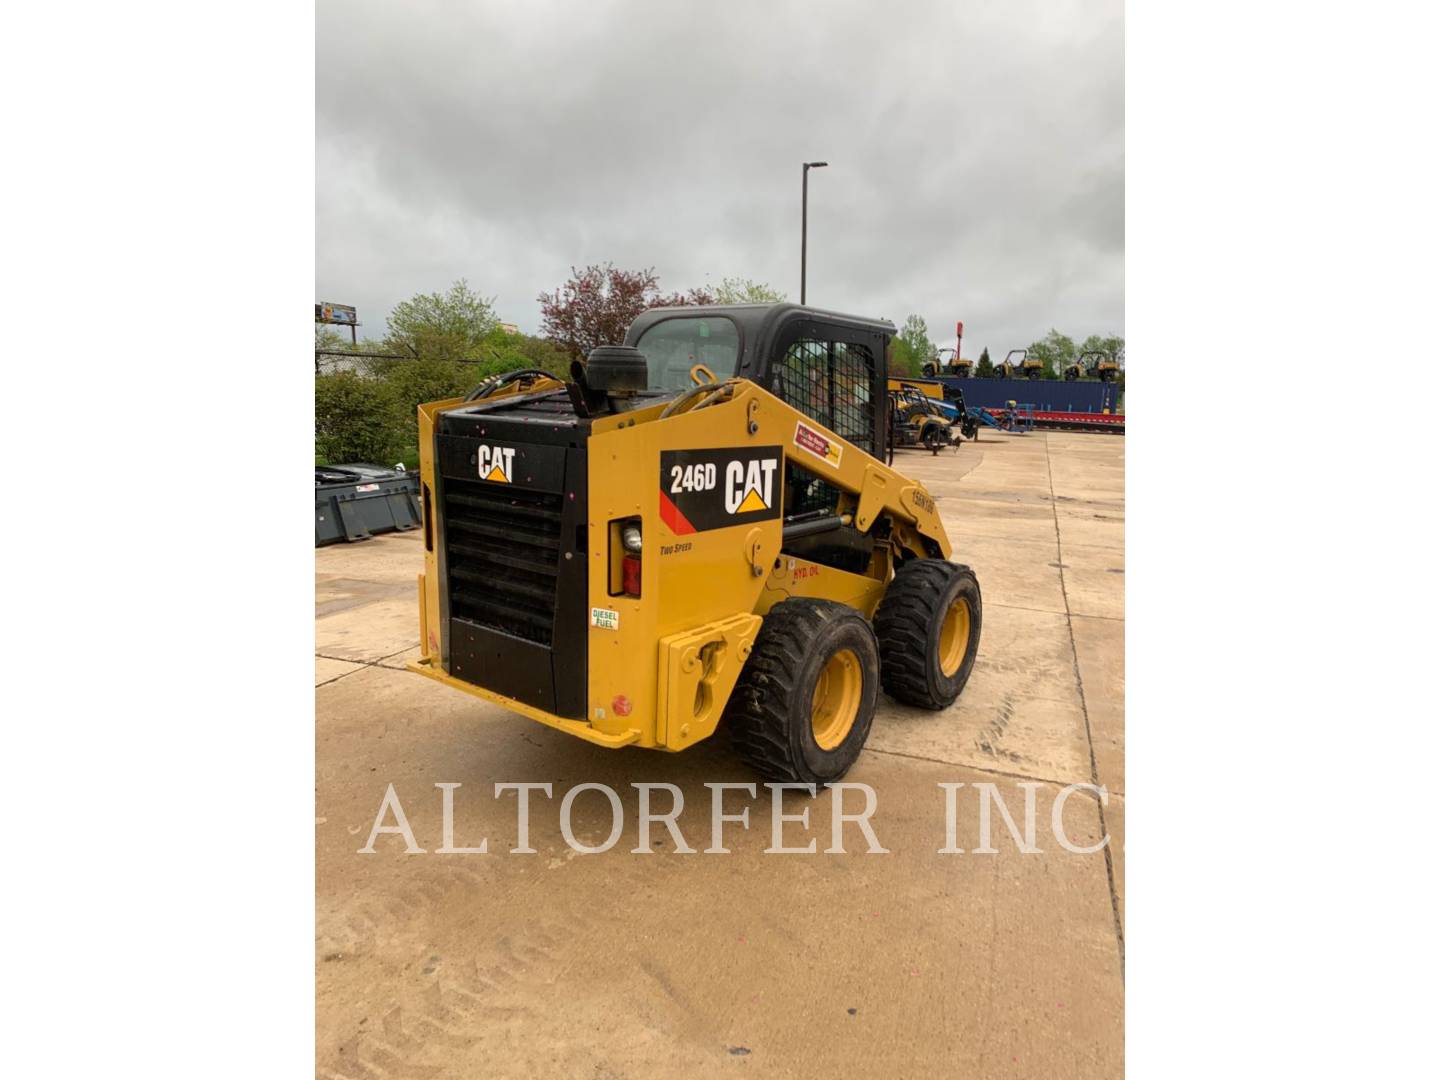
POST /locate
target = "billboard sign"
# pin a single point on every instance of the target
(340, 314)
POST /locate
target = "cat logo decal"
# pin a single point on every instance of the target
(715, 489)
(497, 463)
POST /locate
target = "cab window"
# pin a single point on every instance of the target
(674, 346)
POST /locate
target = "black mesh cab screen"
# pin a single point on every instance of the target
(833, 382)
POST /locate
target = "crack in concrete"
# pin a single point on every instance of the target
(1032, 610)
(1047, 611)
(361, 665)
(974, 768)
(1085, 712)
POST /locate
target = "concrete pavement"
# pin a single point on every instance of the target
(673, 964)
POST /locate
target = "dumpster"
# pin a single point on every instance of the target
(355, 502)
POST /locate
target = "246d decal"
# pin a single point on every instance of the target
(714, 489)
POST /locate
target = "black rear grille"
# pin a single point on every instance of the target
(502, 551)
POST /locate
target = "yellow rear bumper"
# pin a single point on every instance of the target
(578, 728)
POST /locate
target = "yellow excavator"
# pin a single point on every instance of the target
(697, 528)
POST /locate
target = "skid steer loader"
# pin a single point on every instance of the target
(696, 526)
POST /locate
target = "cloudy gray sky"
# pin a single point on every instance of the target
(976, 154)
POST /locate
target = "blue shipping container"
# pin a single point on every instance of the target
(1044, 395)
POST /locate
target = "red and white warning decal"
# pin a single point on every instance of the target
(821, 446)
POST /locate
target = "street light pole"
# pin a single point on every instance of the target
(805, 214)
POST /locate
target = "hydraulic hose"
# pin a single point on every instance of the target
(691, 394)
(490, 385)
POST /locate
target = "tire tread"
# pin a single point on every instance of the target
(759, 706)
(902, 624)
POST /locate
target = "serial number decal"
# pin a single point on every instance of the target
(923, 501)
(693, 477)
(821, 446)
(714, 489)
(604, 618)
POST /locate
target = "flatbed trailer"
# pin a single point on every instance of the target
(1081, 421)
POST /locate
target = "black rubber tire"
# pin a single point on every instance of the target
(908, 623)
(769, 711)
(935, 439)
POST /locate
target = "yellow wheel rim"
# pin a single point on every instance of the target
(954, 637)
(836, 700)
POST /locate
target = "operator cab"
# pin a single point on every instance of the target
(829, 366)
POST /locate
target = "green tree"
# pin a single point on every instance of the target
(911, 348)
(917, 335)
(1055, 350)
(903, 361)
(898, 362)
(441, 346)
(735, 290)
(411, 383)
(407, 384)
(509, 352)
(985, 368)
(328, 339)
(354, 420)
(436, 326)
